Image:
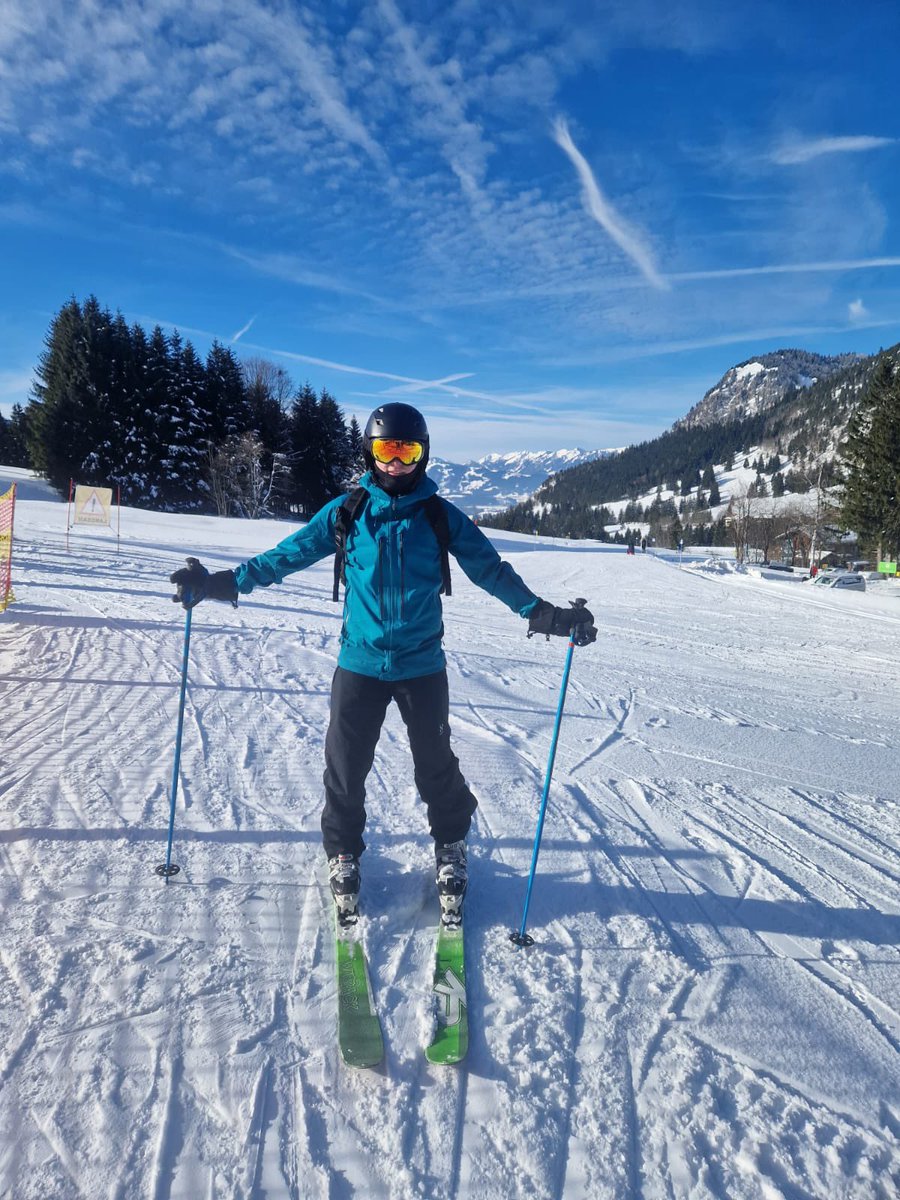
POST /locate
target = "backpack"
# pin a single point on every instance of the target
(345, 516)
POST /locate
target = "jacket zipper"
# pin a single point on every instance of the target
(402, 583)
(381, 577)
(390, 586)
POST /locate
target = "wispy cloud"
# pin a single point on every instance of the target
(441, 390)
(856, 310)
(800, 268)
(765, 337)
(802, 151)
(351, 369)
(243, 329)
(231, 83)
(626, 238)
(296, 270)
(440, 108)
(422, 384)
(600, 287)
(610, 287)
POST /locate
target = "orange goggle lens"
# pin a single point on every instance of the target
(385, 450)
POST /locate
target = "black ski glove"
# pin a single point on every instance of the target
(194, 583)
(578, 621)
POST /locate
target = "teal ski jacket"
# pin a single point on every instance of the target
(393, 622)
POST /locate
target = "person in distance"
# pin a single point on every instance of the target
(392, 536)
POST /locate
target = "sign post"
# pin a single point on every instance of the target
(93, 506)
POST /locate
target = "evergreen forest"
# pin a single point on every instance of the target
(144, 413)
(871, 462)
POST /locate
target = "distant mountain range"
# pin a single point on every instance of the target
(785, 396)
(499, 481)
(787, 411)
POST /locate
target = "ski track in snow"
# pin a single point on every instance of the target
(712, 1006)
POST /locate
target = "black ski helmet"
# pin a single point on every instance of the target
(406, 424)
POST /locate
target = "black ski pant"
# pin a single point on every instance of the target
(358, 707)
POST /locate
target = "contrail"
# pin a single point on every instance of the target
(604, 213)
(803, 152)
(240, 333)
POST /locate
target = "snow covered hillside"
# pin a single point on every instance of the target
(712, 1008)
(499, 481)
(733, 482)
(758, 384)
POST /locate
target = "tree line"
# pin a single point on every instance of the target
(115, 406)
(13, 443)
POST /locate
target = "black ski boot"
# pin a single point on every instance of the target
(343, 875)
(452, 878)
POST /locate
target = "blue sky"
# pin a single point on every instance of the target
(546, 225)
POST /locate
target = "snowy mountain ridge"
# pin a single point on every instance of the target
(759, 383)
(498, 481)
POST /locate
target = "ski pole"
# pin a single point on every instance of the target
(520, 937)
(168, 868)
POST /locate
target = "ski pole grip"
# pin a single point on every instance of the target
(193, 565)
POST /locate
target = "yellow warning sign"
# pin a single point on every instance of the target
(93, 505)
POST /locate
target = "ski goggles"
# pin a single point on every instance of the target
(385, 450)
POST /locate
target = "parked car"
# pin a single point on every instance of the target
(850, 581)
(777, 566)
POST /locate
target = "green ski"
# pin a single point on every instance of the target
(359, 1031)
(451, 1035)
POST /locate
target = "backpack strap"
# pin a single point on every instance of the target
(436, 512)
(343, 523)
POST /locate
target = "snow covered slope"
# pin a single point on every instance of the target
(29, 486)
(712, 1008)
(499, 481)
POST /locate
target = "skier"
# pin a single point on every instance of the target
(394, 569)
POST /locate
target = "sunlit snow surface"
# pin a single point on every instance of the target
(711, 1008)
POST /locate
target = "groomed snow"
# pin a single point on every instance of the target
(711, 1008)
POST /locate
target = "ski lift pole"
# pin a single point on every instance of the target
(168, 868)
(520, 937)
